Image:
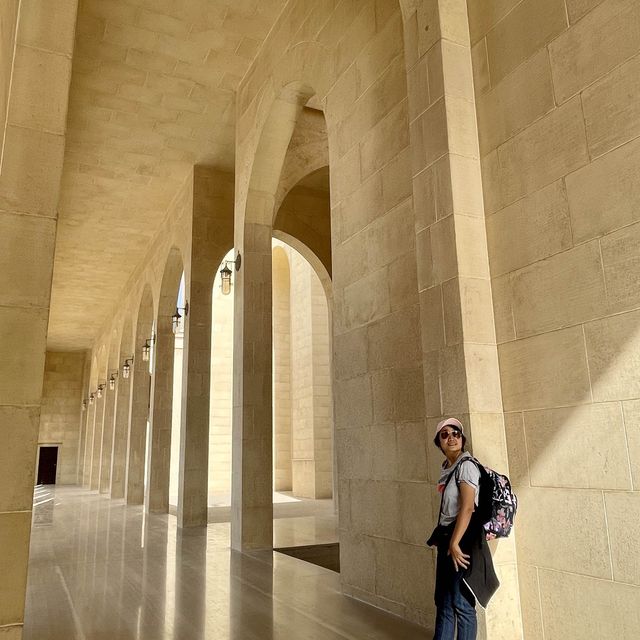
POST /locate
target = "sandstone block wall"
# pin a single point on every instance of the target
(557, 100)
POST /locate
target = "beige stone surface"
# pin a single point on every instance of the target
(26, 184)
(593, 602)
(613, 352)
(578, 8)
(603, 195)
(631, 412)
(17, 460)
(14, 534)
(580, 536)
(46, 26)
(521, 98)
(600, 42)
(546, 370)
(623, 510)
(18, 383)
(471, 247)
(40, 76)
(502, 311)
(529, 26)
(611, 112)
(564, 290)
(621, 265)
(565, 447)
(26, 242)
(530, 600)
(483, 383)
(485, 14)
(517, 449)
(531, 229)
(544, 152)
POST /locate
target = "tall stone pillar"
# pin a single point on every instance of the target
(211, 239)
(88, 444)
(460, 358)
(160, 422)
(96, 452)
(120, 432)
(140, 381)
(35, 60)
(252, 478)
(107, 440)
(83, 421)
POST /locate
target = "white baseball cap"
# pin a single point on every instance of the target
(451, 422)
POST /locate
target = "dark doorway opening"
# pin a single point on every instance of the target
(324, 555)
(47, 465)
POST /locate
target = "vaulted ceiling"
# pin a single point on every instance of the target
(152, 93)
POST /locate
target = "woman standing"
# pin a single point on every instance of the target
(464, 568)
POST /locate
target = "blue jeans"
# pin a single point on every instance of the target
(453, 603)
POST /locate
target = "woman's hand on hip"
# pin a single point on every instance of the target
(460, 560)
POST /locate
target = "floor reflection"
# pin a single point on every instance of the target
(101, 570)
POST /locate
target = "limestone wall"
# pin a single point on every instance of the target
(557, 87)
(61, 410)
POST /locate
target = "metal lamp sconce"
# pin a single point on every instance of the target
(126, 368)
(225, 274)
(91, 398)
(112, 380)
(177, 317)
(100, 390)
(146, 349)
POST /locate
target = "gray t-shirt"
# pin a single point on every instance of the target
(470, 474)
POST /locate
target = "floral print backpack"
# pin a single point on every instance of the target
(497, 504)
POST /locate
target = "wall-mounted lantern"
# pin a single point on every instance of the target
(225, 274)
(177, 319)
(84, 405)
(91, 398)
(146, 349)
(100, 390)
(126, 368)
(112, 380)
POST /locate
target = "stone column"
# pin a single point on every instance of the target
(96, 451)
(31, 154)
(211, 239)
(88, 444)
(460, 359)
(83, 420)
(160, 421)
(140, 381)
(252, 477)
(107, 439)
(120, 431)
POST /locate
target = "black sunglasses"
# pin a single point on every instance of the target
(444, 435)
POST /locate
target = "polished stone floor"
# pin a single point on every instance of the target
(102, 571)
